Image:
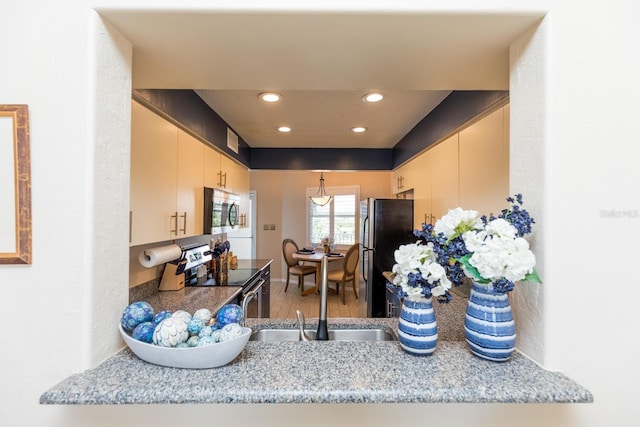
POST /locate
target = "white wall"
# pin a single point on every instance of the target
(589, 105)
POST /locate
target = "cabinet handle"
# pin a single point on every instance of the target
(175, 229)
(221, 183)
(184, 223)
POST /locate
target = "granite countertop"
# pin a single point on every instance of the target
(192, 298)
(324, 372)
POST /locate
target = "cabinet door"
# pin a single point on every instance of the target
(422, 192)
(228, 168)
(153, 177)
(443, 162)
(211, 168)
(484, 143)
(190, 185)
(401, 179)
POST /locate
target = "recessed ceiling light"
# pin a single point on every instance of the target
(270, 97)
(284, 129)
(373, 97)
(358, 129)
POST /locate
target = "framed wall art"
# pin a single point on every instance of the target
(15, 185)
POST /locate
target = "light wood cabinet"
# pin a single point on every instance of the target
(469, 169)
(443, 165)
(226, 174)
(403, 179)
(166, 180)
(422, 191)
(190, 191)
(153, 177)
(484, 163)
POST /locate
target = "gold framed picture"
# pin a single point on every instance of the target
(15, 185)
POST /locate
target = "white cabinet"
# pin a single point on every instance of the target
(226, 174)
(434, 176)
(484, 163)
(469, 169)
(153, 177)
(443, 165)
(166, 180)
(190, 189)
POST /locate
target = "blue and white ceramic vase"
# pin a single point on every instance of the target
(488, 325)
(417, 329)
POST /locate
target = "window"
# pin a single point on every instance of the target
(338, 218)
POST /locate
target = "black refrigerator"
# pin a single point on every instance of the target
(385, 224)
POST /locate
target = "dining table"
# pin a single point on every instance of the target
(316, 258)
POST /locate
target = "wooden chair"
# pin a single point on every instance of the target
(348, 272)
(289, 247)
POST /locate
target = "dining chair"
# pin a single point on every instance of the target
(289, 247)
(348, 272)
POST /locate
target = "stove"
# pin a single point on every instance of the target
(238, 277)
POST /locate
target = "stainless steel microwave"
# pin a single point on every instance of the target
(221, 211)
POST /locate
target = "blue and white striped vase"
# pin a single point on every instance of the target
(417, 329)
(488, 325)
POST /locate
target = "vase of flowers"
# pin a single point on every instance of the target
(326, 244)
(493, 253)
(498, 257)
(419, 278)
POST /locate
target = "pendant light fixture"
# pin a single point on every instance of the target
(321, 197)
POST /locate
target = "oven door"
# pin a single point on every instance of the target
(252, 296)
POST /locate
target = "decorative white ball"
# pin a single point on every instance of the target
(230, 331)
(170, 332)
(182, 314)
(203, 314)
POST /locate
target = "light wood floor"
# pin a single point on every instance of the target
(284, 304)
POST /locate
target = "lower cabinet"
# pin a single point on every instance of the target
(394, 303)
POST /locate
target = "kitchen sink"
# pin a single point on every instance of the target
(275, 335)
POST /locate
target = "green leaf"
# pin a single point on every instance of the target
(532, 277)
(470, 269)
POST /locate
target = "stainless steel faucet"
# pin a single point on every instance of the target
(322, 334)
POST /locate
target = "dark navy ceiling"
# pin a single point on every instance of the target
(189, 111)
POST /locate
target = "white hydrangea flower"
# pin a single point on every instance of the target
(498, 253)
(419, 258)
(457, 221)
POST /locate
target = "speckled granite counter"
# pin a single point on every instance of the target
(193, 298)
(323, 372)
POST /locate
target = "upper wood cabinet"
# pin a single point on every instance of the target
(167, 167)
(469, 169)
(484, 163)
(224, 173)
(154, 147)
(169, 170)
(190, 191)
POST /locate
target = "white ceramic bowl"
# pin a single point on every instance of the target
(207, 356)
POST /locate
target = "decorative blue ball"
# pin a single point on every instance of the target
(144, 332)
(160, 316)
(230, 313)
(194, 326)
(136, 313)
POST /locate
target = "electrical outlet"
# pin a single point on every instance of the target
(272, 227)
(265, 227)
